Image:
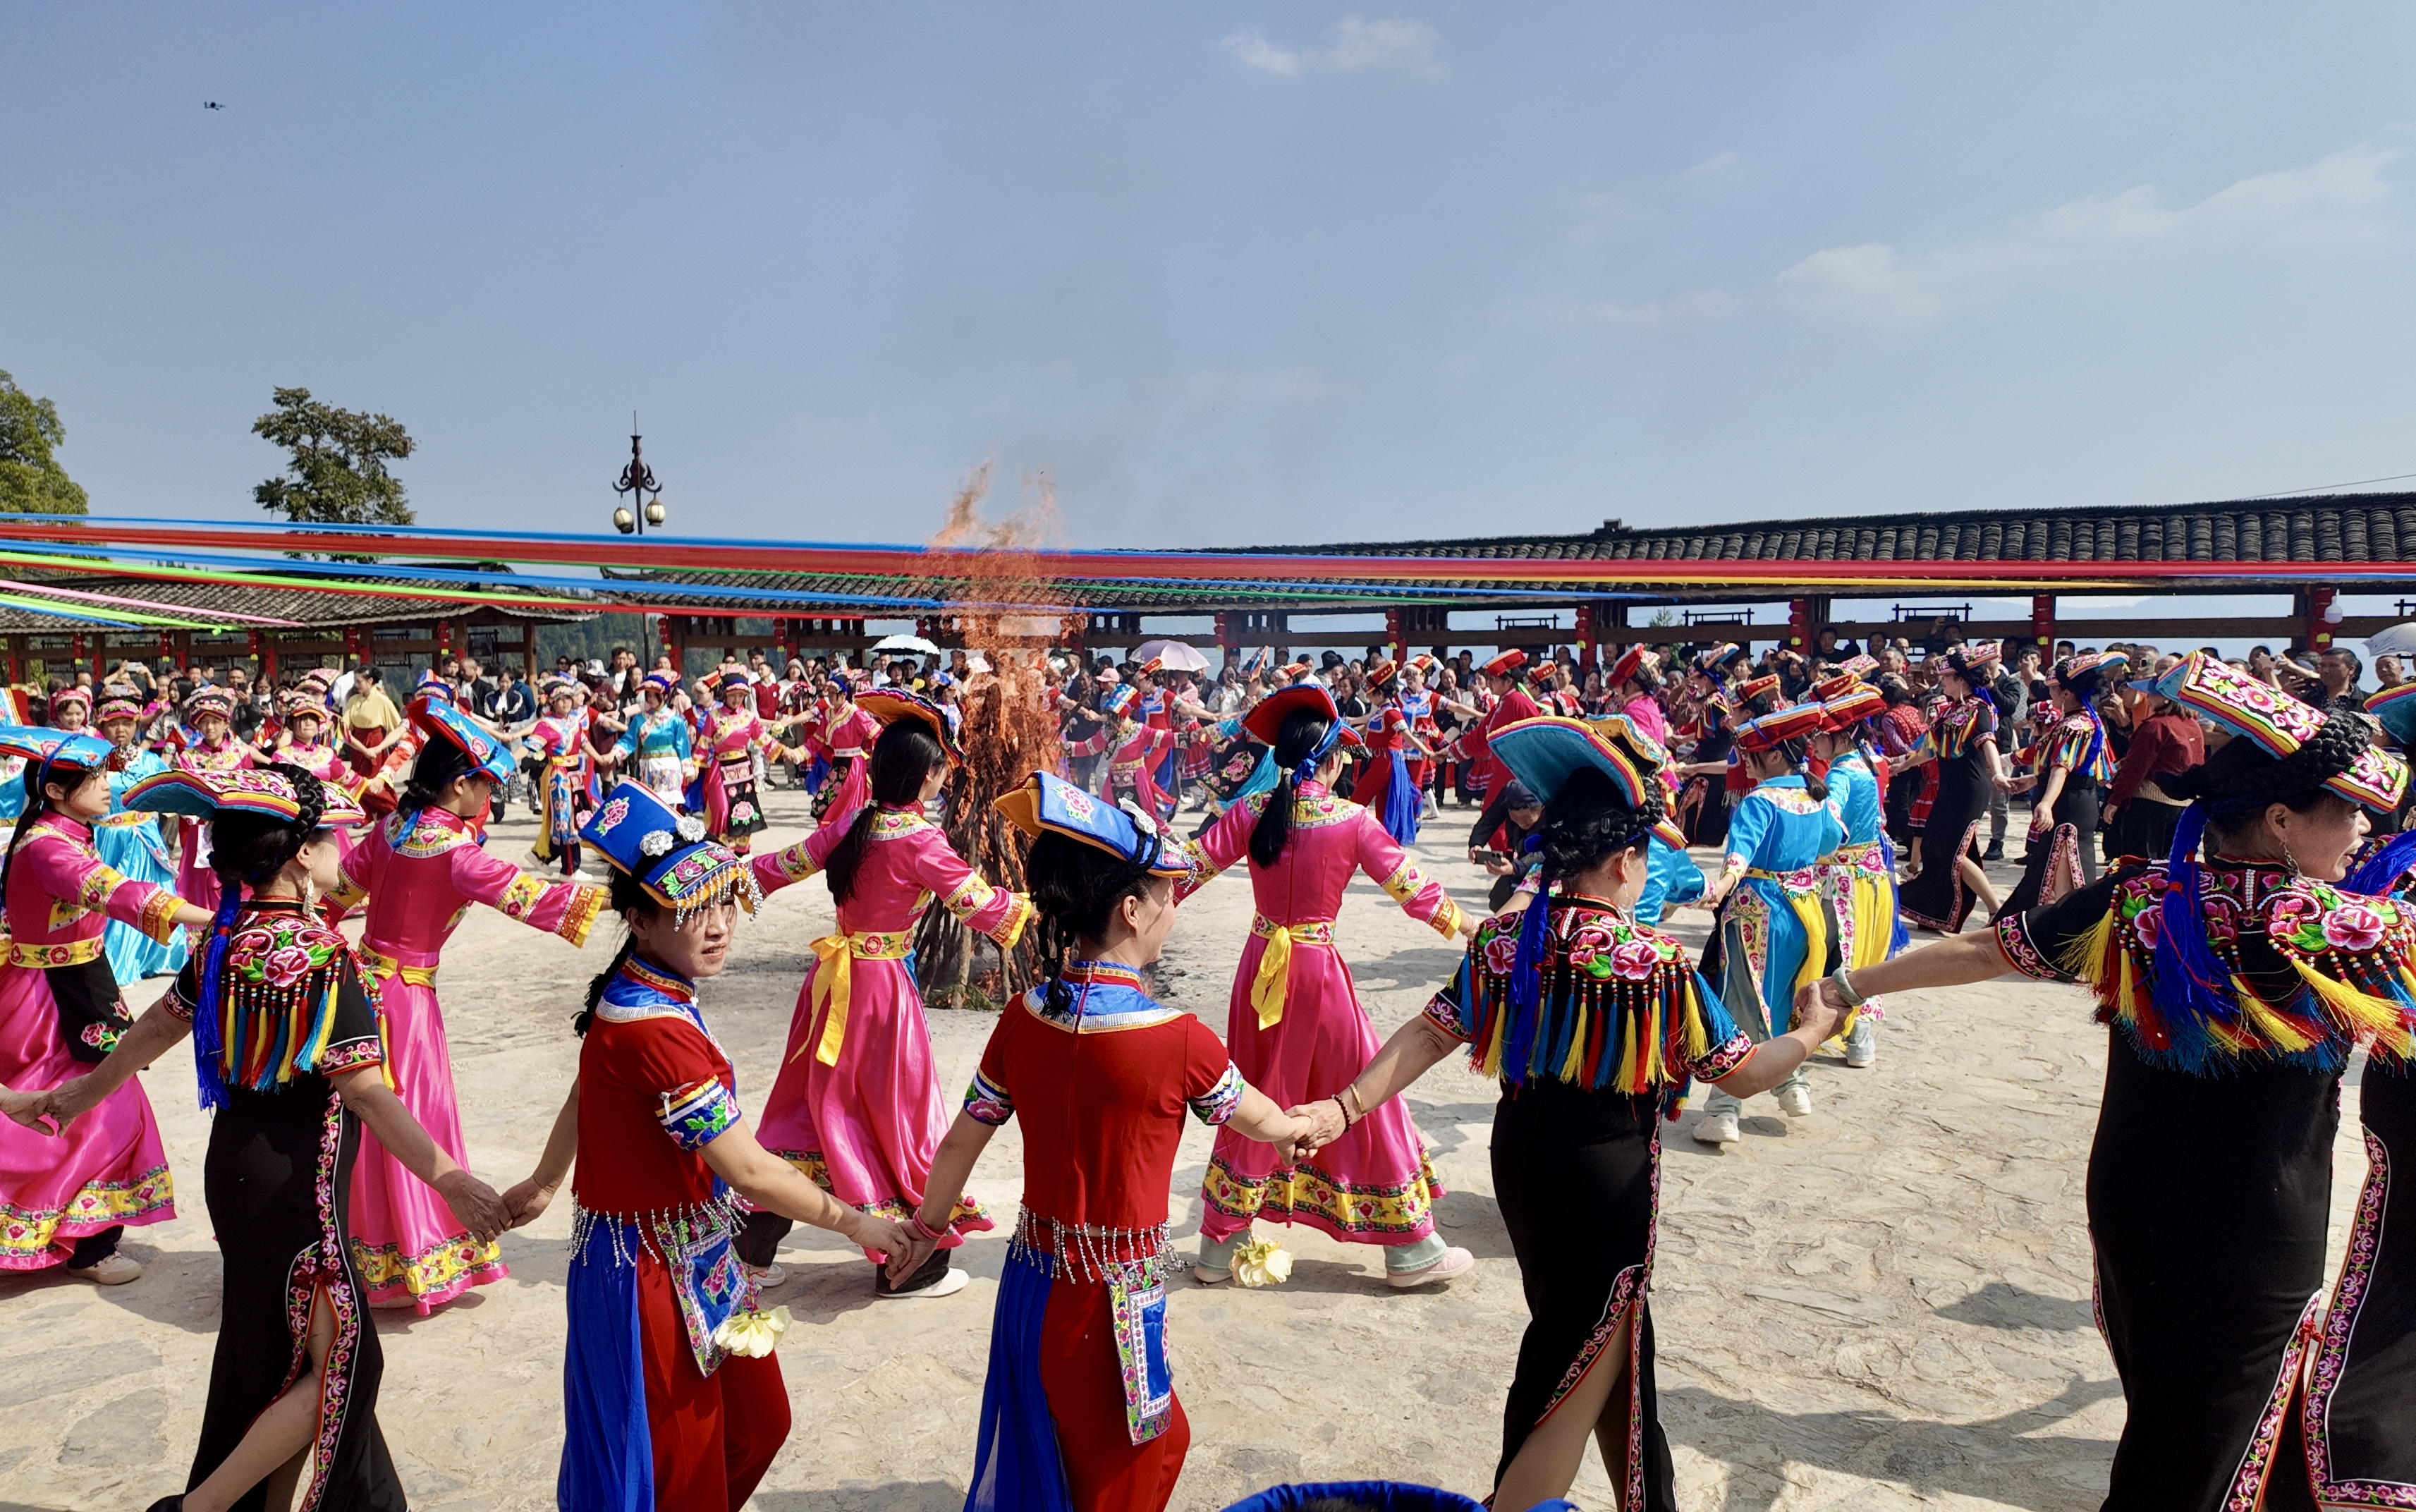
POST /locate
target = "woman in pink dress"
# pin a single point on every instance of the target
(1296, 1025)
(857, 1104)
(210, 711)
(419, 869)
(66, 1201)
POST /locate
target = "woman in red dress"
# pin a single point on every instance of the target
(672, 1397)
(1080, 1414)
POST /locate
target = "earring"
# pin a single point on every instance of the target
(2291, 861)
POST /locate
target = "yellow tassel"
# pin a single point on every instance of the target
(1698, 1035)
(1574, 1062)
(2085, 958)
(1625, 1077)
(2357, 1012)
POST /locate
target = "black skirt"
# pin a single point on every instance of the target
(2209, 1197)
(276, 1179)
(1577, 1176)
(2361, 1409)
(2068, 855)
(1936, 898)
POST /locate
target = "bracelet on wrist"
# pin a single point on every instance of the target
(1344, 1109)
(1854, 996)
(923, 1229)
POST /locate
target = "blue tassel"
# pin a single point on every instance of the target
(209, 1046)
(1527, 981)
(2191, 986)
(1400, 815)
(2384, 866)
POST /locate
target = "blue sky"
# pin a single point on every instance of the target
(1225, 273)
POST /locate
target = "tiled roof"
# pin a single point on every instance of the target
(207, 600)
(2341, 527)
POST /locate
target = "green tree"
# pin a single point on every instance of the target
(30, 482)
(336, 475)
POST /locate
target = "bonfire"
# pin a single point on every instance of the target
(1010, 730)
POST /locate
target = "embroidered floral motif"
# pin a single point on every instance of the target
(1308, 1194)
(1218, 1103)
(2015, 941)
(26, 1235)
(2330, 1362)
(699, 1115)
(988, 1102)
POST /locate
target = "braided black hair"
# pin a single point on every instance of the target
(2238, 782)
(1589, 820)
(628, 897)
(1074, 887)
(248, 848)
(1797, 754)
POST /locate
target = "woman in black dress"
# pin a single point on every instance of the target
(2236, 985)
(1962, 741)
(1544, 1002)
(2076, 762)
(287, 1047)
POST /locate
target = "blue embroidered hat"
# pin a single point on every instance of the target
(440, 718)
(667, 852)
(1049, 802)
(46, 747)
(1545, 752)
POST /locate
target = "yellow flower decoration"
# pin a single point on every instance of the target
(752, 1334)
(1261, 1262)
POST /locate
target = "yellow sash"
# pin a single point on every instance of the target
(378, 964)
(834, 979)
(1274, 979)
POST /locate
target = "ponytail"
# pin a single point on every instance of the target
(900, 759)
(1307, 738)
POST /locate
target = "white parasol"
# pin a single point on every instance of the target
(1174, 656)
(910, 644)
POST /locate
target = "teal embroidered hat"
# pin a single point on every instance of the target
(1047, 803)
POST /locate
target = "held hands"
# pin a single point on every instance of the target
(1316, 1125)
(1819, 1006)
(32, 1108)
(527, 1200)
(66, 1102)
(475, 1204)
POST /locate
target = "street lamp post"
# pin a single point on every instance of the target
(638, 479)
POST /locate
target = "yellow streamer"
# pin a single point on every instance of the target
(1273, 980)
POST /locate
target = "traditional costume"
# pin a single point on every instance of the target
(724, 790)
(1960, 745)
(1078, 1413)
(1593, 1024)
(1633, 680)
(857, 1105)
(128, 842)
(2065, 856)
(65, 1199)
(1296, 1025)
(1774, 932)
(656, 747)
(849, 733)
(1135, 751)
(2235, 990)
(278, 1005)
(221, 752)
(566, 776)
(1384, 787)
(660, 1411)
(1487, 774)
(418, 872)
(1859, 876)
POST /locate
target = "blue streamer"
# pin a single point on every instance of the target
(2191, 986)
(209, 1048)
(1400, 815)
(1527, 976)
(2385, 867)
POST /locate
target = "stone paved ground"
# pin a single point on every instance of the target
(1884, 1306)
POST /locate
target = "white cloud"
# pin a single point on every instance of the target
(1386, 45)
(2325, 201)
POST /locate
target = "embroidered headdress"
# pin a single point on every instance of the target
(1506, 663)
(1713, 660)
(891, 704)
(668, 853)
(2394, 709)
(1793, 723)
(1637, 661)
(1265, 722)
(1047, 803)
(442, 719)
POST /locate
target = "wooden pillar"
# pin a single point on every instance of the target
(2043, 624)
(2319, 615)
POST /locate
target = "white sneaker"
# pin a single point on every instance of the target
(1717, 1129)
(114, 1270)
(1795, 1101)
(1454, 1261)
(767, 1276)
